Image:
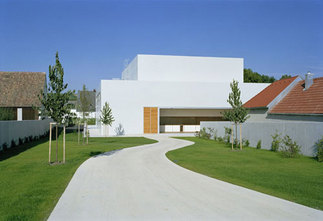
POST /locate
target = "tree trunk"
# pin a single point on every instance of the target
(240, 139)
(236, 140)
(50, 142)
(64, 145)
(87, 135)
(105, 130)
(83, 137)
(231, 136)
(56, 144)
(78, 135)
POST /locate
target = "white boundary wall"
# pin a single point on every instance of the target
(306, 134)
(13, 130)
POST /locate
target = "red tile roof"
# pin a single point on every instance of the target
(298, 101)
(269, 93)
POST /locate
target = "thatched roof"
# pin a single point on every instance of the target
(20, 89)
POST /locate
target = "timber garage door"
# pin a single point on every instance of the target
(150, 120)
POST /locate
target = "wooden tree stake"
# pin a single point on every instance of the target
(78, 134)
(232, 136)
(240, 139)
(56, 143)
(64, 144)
(50, 141)
(87, 135)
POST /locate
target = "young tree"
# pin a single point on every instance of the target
(54, 100)
(85, 102)
(238, 114)
(106, 115)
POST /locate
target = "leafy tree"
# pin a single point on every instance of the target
(285, 76)
(106, 115)
(238, 114)
(6, 113)
(253, 77)
(85, 102)
(53, 99)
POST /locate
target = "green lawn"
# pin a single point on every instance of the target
(295, 179)
(30, 188)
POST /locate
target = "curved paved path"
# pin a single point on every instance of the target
(140, 183)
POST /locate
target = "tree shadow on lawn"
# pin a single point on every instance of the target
(13, 151)
(101, 153)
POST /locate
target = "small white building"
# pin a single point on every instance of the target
(159, 93)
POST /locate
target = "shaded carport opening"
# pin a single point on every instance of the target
(186, 120)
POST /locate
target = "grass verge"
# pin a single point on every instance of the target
(295, 179)
(30, 187)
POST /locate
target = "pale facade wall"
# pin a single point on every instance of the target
(257, 114)
(184, 68)
(127, 98)
(13, 130)
(306, 134)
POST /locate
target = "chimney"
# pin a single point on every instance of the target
(308, 80)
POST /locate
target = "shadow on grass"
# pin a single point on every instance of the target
(13, 151)
(100, 153)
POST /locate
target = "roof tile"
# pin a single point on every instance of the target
(269, 93)
(21, 89)
(300, 101)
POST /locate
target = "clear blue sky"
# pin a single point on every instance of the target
(94, 38)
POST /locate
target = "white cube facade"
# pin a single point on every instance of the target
(195, 87)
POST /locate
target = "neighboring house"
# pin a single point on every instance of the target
(159, 93)
(91, 97)
(19, 91)
(289, 99)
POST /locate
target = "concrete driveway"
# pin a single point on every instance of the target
(140, 183)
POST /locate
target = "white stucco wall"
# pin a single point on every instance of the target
(127, 98)
(184, 68)
(13, 130)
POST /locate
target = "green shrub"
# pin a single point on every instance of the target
(204, 134)
(290, 148)
(220, 139)
(276, 143)
(227, 134)
(13, 144)
(259, 144)
(245, 142)
(4, 146)
(21, 141)
(319, 149)
(6, 113)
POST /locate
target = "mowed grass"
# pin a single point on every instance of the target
(295, 179)
(30, 187)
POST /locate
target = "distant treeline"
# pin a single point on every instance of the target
(253, 77)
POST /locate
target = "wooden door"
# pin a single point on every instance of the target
(151, 120)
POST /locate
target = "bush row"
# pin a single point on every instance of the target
(5, 146)
(285, 145)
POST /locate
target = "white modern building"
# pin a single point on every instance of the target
(159, 93)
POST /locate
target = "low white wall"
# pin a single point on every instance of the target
(13, 130)
(306, 134)
(191, 128)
